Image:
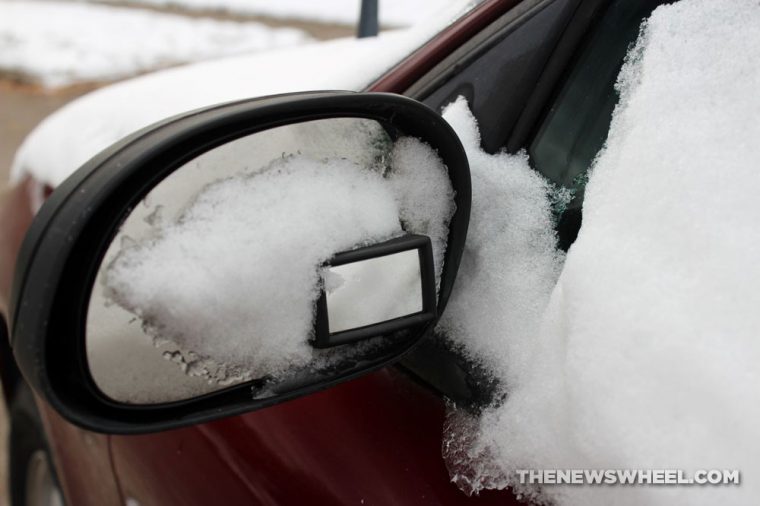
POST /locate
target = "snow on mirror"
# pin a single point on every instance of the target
(215, 278)
(373, 291)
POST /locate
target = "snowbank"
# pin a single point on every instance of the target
(645, 356)
(61, 43)
(235, 278)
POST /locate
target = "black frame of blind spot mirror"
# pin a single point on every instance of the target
(68, 239)
(323, 338)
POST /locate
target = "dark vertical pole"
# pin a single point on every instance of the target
(368, 19)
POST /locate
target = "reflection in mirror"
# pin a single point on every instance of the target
(213, 279)
(373, 291)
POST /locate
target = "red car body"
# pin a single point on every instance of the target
(374, 440)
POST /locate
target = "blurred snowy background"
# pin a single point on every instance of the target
(54, 51)
(59, 43)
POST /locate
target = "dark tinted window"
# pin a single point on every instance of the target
(576, 125)
(497, 82)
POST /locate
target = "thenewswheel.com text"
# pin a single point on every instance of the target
(627, 477)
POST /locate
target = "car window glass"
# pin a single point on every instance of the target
(576, 124)
(497, 81)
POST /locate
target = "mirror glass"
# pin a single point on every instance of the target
(372, 291)
(213, 278)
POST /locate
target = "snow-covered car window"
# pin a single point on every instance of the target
(576, 127)
(637, 349)
(213, 278)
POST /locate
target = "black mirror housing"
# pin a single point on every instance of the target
(59, 257)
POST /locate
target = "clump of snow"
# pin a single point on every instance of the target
(424, 193)
(391, 12)
(510, 252)
(646, 354)
(78, 131)
(222, 274)
(61, 43)
(236, 277)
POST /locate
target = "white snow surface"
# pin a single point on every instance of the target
(391, 12)
(646, 354)
(61, 43)
(78, 131)
(510, 249)
(236, 277)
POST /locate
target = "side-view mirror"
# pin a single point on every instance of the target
(239, 256)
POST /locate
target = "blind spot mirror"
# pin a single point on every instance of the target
(375, 290)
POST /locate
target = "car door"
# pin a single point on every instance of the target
(539, 77)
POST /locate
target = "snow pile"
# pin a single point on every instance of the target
(391, 12)
(78, 131)
(422, 191)
(59, 43)
(231, 280)
(646, 355)
(227, 282)
(510, 252)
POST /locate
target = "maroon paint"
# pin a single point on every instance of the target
(412, 68)
(375, 440)
(15, 218)
(82, 461)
